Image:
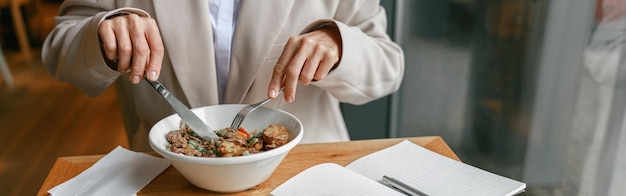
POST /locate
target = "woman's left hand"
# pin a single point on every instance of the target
(306, 58)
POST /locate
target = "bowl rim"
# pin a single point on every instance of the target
(228, 160)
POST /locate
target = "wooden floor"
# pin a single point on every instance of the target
(42, 119)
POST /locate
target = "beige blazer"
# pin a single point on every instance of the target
(372, 66)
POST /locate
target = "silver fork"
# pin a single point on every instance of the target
(246, 110)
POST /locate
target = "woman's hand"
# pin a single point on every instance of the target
(305, 58)
(135, 42)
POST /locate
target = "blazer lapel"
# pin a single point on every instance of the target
(188, 40)
(253, 38)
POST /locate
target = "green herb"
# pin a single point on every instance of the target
(193, 144)
(252, 141)
(204, 151)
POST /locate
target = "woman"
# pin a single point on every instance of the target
(329, 51)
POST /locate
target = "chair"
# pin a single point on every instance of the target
(22, 37)
(6, 72)
(19, 26)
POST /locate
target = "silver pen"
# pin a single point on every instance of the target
(403, 187)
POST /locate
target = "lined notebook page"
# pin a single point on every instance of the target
(433, 173)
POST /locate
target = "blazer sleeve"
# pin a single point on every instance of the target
(372, 65)
(72, 52)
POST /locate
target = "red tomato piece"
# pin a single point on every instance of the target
(241, 131)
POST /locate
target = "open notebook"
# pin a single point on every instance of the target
(412, 164)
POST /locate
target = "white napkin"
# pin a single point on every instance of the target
(121, 172)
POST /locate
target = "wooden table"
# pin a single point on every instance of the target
(300, 158)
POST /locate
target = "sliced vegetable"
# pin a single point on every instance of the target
(241, 131)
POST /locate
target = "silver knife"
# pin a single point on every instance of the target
(196, 125)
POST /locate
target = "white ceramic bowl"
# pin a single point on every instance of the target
(228, 174)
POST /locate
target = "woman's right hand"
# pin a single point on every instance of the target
(135, 42)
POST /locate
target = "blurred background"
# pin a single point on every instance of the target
(528, 89)
(41, 118)
(533, 90)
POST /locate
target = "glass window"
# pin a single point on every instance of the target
(529, 89)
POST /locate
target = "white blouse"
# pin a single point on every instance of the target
(223, 19)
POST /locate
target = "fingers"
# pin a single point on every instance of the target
(136, 43)
(276, 82)
(304, 59)
(294, 67)
(320, 61)
(329, 61)
(156, 51)
(280, 69)
(140, 51)
(108, 41)
(310, 66)
(118, 45)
